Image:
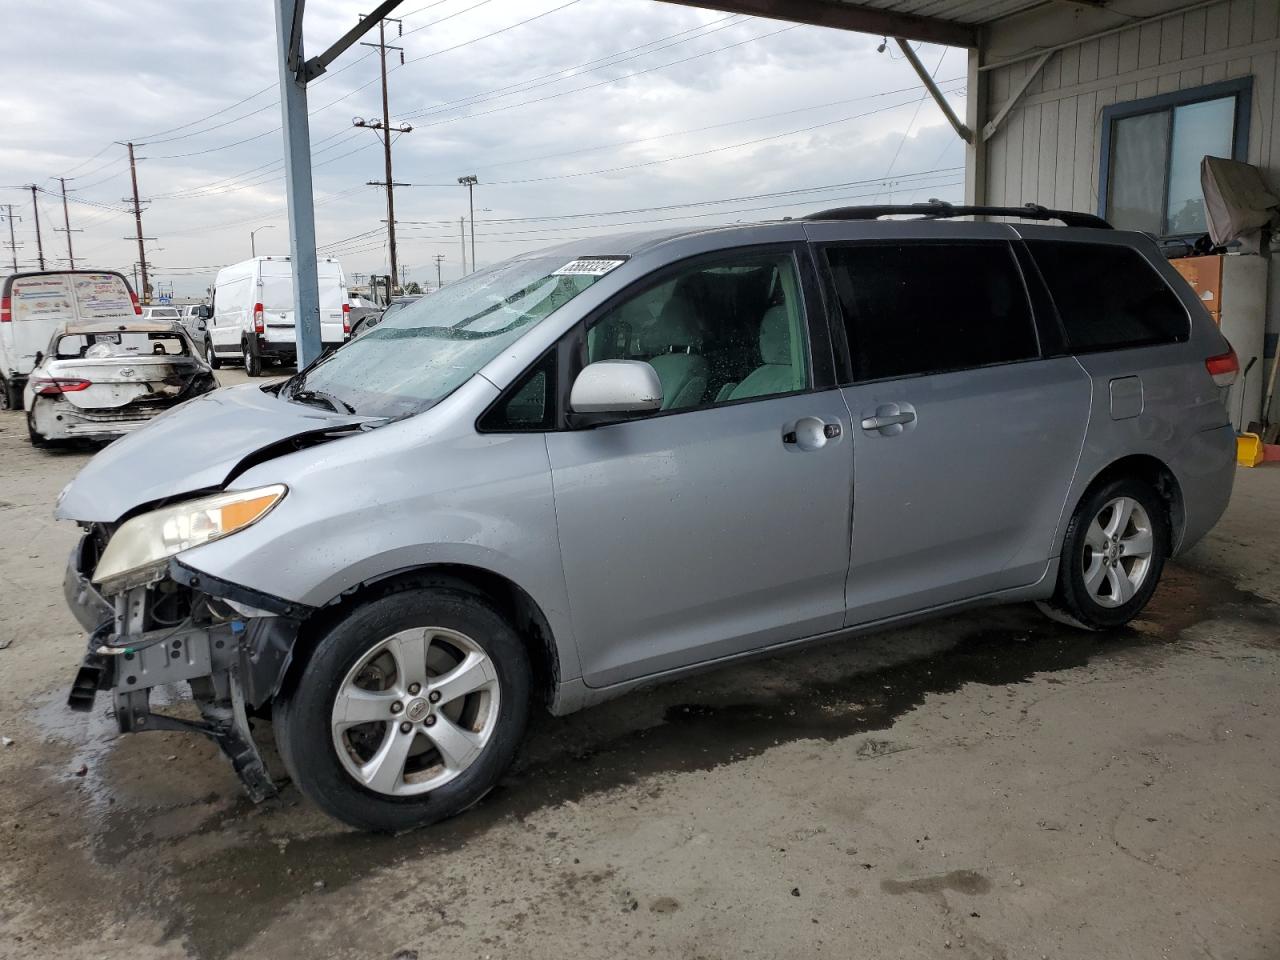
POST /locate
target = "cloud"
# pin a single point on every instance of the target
(603, 105)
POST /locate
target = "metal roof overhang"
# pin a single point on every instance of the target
(1033, 25)
(951, 22)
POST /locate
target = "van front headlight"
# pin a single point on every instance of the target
(151, 538)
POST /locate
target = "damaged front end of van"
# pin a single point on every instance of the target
(154, 623)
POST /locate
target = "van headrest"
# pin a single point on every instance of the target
(676, 327)
(775, 337)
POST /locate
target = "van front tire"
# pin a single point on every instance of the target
(408, 710)
(1112, 556)
(214, 361)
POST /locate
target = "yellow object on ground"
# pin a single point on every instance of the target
(1248, 449)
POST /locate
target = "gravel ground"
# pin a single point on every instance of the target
(989, 785)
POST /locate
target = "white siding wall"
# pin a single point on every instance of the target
(1048, 149)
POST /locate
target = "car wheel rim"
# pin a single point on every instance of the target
(416, 710)
(1117, 553)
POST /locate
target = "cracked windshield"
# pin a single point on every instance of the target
(424, 352)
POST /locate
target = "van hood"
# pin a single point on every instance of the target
(197, 446)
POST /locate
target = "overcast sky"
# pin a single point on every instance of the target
(560, 108)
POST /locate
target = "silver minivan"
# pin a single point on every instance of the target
(633, 457)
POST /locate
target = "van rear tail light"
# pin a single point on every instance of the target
(346, 318)
(6, 310)
(258, 326)
(137, 307)
(1224, 368)
(54, 386)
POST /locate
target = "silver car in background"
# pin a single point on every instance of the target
(637, 456)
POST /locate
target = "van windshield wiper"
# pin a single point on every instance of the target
(327, 399)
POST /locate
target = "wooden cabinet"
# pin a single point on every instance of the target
(1205, 276)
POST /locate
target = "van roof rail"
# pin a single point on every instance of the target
(942, 210)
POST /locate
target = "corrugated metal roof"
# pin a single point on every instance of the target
(971, 12)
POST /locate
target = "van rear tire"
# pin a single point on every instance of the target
(1112, 556)
(252, 362)
(10, 395)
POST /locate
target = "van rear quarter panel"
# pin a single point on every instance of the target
(1182, 421)
(1182, 424)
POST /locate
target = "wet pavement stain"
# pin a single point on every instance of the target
(962, 881)
(265, 859)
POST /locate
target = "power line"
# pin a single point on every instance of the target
(906, 133)
(604, 83)
(699, 153)
(228, 185)
(577, 70)
(713, 126)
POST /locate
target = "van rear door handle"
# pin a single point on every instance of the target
(880, 421)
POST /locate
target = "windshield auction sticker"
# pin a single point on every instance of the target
(589, 266)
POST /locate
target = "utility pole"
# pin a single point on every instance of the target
(384, 125)
(462, 235)
(439, 276)
(13, 244)
(137, 219)
(66, 223)
(36, 207)
(470, 182)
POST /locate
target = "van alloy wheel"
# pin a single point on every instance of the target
(1117, 553)
(409, 706)
(1113, 552)
(415, 711)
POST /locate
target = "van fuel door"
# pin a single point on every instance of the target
(1126, 398)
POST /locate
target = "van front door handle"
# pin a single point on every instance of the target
(880, 421)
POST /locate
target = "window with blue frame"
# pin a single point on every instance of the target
(1151, 153)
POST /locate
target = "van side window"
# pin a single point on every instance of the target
(917, 308)
(716, 333)
(529, 405)
(1109, 296)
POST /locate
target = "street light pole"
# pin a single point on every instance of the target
(470, 182)
(253, 248)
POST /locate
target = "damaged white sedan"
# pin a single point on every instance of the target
(98, 381)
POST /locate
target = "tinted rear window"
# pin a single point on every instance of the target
(1108, 296)
(916, 308)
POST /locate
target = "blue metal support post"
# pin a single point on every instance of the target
(297, 171)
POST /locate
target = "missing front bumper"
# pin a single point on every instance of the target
(232, 663)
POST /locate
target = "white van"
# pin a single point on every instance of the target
(34, 304)
(253, 312)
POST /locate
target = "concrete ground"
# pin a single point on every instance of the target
(989, 785)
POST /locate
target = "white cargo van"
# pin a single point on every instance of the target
(34, 304)
(252, 319)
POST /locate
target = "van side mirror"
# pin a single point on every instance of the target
(39, 357)
(608, 391)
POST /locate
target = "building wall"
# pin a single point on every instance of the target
(1048, 150)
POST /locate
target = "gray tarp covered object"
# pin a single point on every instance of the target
(1236, 199)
